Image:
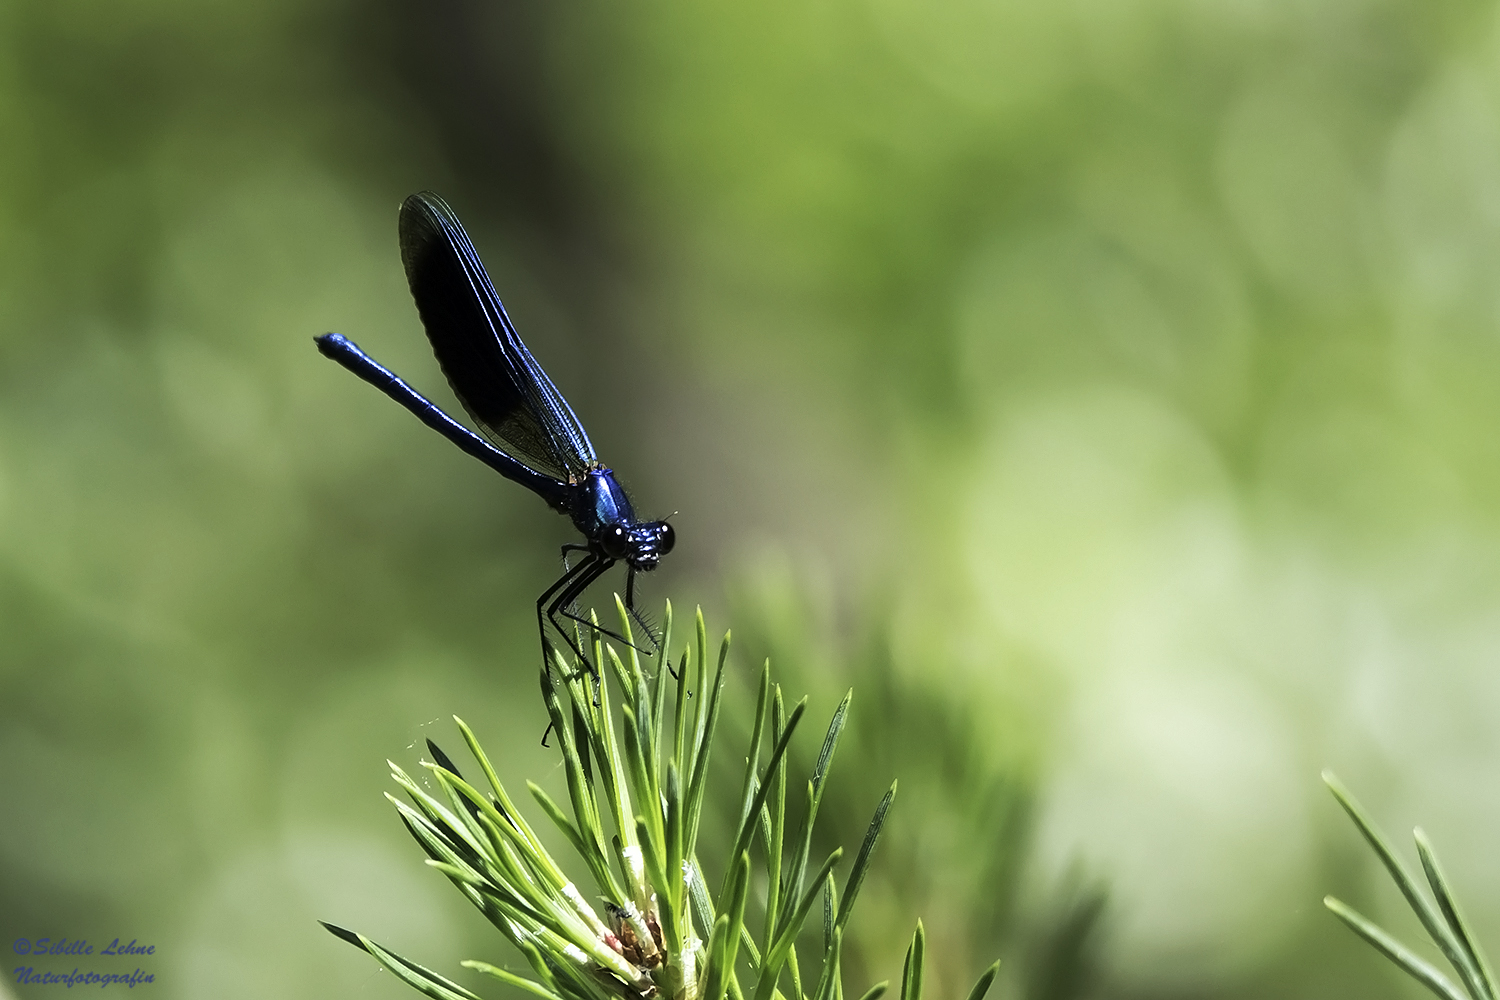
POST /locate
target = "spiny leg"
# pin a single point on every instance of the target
(584, 574)
(629, 607)
(574, 581)
(571, 547)
(567, 569)
(641, 619)
(544, 612)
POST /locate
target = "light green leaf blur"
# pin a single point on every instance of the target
(1109, 392)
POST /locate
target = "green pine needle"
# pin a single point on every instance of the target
(911, 973)
(636, 762)
(983, 985)
(1441, 919)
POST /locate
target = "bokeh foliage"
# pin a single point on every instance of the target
(1111, 384)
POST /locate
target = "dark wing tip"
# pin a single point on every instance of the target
(418, 224)
(428, 231)
(430, 201)
(425, 213)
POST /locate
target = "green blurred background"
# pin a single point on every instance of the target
(1107, 389)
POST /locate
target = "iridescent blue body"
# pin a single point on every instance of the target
(532, 435)
(601, 510)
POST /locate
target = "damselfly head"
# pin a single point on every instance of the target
(640, 545)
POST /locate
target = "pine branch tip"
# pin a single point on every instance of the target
(344, 934)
